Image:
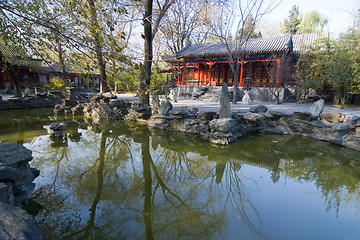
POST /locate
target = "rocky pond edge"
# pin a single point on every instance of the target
(16, 175)
(333, 127)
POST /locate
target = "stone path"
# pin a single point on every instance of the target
(287, 108)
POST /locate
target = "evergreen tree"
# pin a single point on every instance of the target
(291, 24)
(249, 28)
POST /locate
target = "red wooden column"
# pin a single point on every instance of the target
(184, 74)
(209, 81)
(278, 61)
(178, 78)
(198, 65)
(203, 80)
(241, 73)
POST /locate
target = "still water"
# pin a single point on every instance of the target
(117, 180)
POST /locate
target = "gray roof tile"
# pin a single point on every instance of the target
(255, 45)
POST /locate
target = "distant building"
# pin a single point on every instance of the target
(33, 73)
(264, 62)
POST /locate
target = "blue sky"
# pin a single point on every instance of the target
(340, 13)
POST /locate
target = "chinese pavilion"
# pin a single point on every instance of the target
(264, 61)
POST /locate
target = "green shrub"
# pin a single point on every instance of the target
(56, 83)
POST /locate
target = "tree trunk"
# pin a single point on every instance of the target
(13, 76)
(146, 159)
(235, 88)
(61, 62)
(98, 49)
(146, 72)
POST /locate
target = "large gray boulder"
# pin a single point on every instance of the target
(155, 104)
(223, 125)
(16, 175)
(206, 116)
(332, 117)
(225, 110)
(17, 224)
(258, 109)
(165, 108)
(14, 154)
(56, 130)
(317, 108)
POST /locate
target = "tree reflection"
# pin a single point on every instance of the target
(85, 232)
(146, 159)
(121, 182)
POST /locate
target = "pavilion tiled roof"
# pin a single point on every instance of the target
(17, 55)
(286, 43)
(11, 51)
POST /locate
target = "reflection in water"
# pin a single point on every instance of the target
(116, 180)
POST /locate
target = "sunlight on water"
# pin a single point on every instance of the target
(117, 180)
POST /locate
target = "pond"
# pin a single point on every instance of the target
(117, 180)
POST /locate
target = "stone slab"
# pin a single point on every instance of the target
(11, 154)
(16, 223)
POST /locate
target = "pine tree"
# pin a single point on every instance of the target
(291, 24)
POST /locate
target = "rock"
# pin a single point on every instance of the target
(348, 120)
(340, 127)
(357, 132)
(165, 108)
(56, 126)
(352, 141)
(16, 223)
(190, 110)
(301, 115)
(206, 116)
(259, 109)
(109, 95)
(199, 92)
(155, 104)
(56, 130)
(317, 108)
(138, 106)
(16, 176)
(102, 111)
(14, 154)
(117, 103)
(6, 193)
(276, 115)
(220, 138)
(8, 173)
(194, 126)
(225, 110)
(161, 122)
(191, 121)
(253, 117)
(317, 123)
(178, 113)
(223, 125)
(356, 121)
(138, 116)
(332, 118)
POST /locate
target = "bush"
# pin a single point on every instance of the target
(56, 83)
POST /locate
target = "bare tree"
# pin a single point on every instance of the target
(230, 27)
(185, 23)
(151, 27)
